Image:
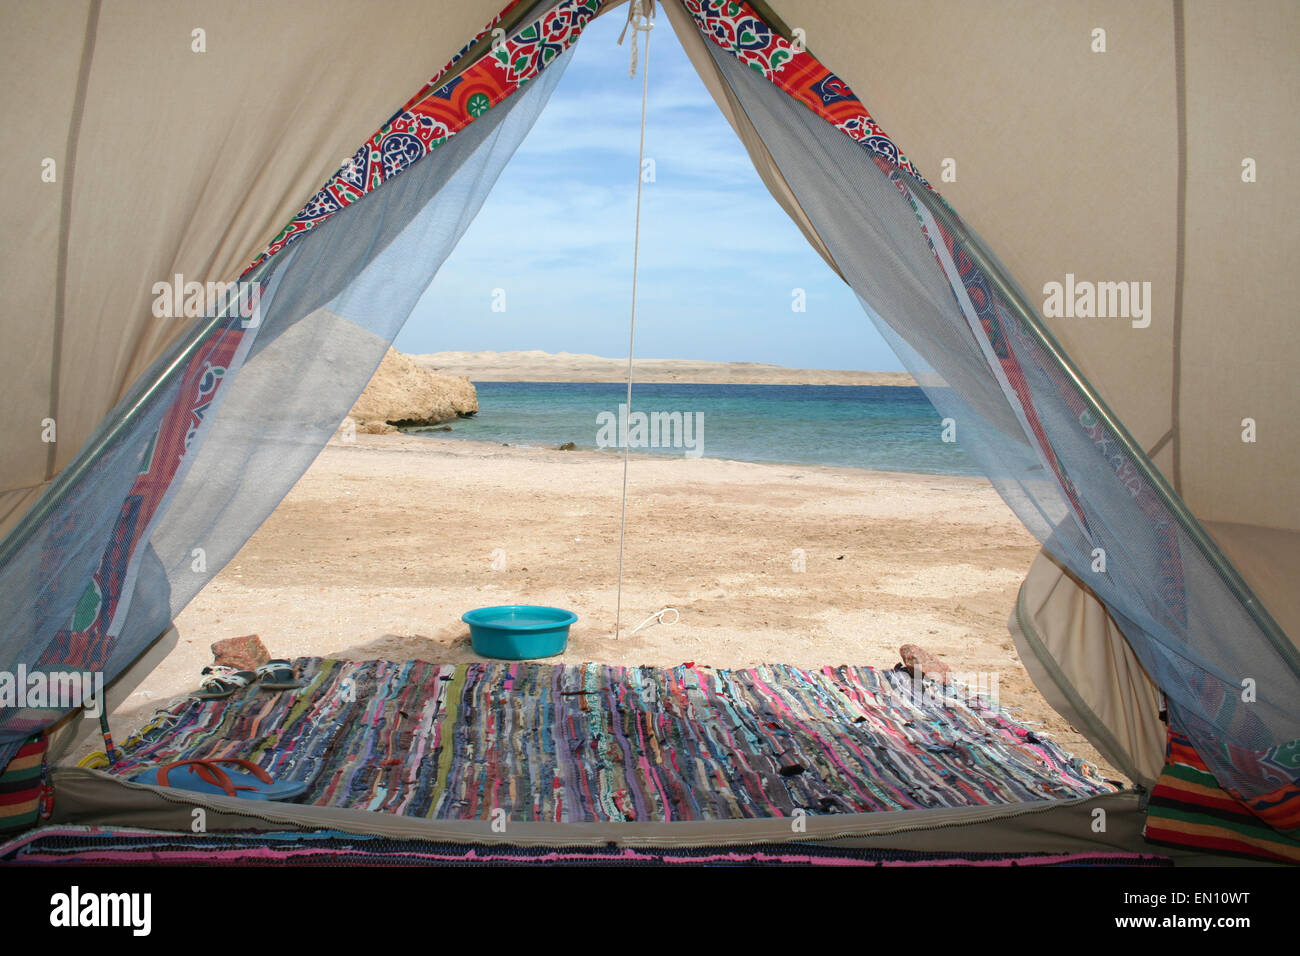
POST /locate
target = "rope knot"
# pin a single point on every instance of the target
(640, 17)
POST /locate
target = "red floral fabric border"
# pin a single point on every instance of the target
(738, 29)
(87, 642)
(442, 109)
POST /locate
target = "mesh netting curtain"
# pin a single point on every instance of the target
(916, 269)
(216, 432)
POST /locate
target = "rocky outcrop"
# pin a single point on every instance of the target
(403, 393)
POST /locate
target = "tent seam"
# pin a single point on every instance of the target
(65, 222)
(1160, 443)
(1180, 239)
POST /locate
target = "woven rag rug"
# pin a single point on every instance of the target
(590, 742)
(118, 846)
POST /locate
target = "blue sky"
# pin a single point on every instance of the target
(719, 257)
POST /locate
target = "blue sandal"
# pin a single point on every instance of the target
(204, 776)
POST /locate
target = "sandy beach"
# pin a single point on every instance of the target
(387, 540)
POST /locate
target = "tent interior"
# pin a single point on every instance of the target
(178, 139)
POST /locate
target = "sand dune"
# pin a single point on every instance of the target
(537, 366)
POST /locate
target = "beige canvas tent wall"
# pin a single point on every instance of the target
(183, 135)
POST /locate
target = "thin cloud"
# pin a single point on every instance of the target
(719, 258)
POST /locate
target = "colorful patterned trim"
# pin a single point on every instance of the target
(737, 28)
(1188, 808)
(22, 786)
(442, 109)
(116, 846)
(87, 642)
(1280, 807)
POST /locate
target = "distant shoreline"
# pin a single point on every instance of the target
(490, 448)
(537, 366)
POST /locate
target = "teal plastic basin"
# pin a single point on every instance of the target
(519, 632)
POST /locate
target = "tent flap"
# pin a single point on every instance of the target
(218, 432)
(1060, 629)
(1043, 434)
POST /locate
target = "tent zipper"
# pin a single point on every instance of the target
(1021, 811)
(1026, 810)
(170, 798)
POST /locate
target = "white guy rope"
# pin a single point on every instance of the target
(641, 20)
(658, 618)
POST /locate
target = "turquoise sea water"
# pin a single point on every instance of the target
(879, 427)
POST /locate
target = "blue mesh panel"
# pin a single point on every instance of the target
(1030, 428)
(333, 302)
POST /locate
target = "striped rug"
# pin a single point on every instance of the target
(589, 742)
(22, 785)
(1188, 808)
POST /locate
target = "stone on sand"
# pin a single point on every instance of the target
(920, 662)
(246, 653)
